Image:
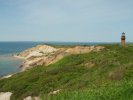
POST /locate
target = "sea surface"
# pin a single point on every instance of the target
(9, 64)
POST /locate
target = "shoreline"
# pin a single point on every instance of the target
(19, 57)
(11, 56)
(45, 54)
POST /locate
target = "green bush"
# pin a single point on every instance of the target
(109, 79)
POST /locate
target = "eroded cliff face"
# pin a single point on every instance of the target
(39, 50)
(46, 55)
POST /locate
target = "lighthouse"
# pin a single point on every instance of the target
(123, 39)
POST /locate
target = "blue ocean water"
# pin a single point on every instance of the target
(9, 64)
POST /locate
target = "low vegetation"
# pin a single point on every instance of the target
(104, 75)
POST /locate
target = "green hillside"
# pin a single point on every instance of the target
(104, 75)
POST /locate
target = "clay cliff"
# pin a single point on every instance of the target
(46, 55)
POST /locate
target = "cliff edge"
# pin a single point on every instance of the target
(46, 55)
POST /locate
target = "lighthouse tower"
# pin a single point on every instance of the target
(123, 39)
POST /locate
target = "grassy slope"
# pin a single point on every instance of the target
(110, 78)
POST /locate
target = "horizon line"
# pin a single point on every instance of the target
(73, 41)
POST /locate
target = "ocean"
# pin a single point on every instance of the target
(9, 64)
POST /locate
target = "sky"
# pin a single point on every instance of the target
(66, 20)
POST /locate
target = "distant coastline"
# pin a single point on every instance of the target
(8, 49)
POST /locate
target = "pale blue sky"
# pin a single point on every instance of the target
(66, 20)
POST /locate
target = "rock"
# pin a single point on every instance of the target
(5, 95)
(54, 92)
(31, 98)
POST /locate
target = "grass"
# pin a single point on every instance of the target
(110, 77)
